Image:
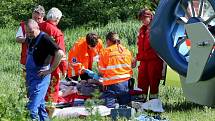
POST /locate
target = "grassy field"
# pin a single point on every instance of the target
(12, 96)
(172, 78)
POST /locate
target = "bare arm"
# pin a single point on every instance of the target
(57, 59)
(20, 39)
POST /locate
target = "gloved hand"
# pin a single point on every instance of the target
(92, 74)
(89, 72)
(96, 77)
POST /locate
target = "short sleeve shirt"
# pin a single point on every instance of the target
(44, 50)
(19, 32)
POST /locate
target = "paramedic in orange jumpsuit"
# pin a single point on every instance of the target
(115, 69)
(150, 68)
(50, 27)
(82, 55)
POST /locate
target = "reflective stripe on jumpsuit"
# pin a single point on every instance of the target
(36, 86)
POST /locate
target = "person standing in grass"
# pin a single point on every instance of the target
(50, 27)
(82, 55)
(38, 14)
(115, 69)
(150, 68)
(41, 49)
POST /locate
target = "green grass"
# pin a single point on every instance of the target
(12, 101)
(172, 78)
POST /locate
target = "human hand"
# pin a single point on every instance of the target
(134, 63)
(64, 74)
(43, 73)
(89, 72)
(96, 77)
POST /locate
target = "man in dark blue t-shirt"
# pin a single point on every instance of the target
(38, 70)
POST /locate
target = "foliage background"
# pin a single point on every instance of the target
(76, 12)
(80, 17)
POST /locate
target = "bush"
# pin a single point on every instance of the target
(90, 13)
(12, 11)
(95, 12)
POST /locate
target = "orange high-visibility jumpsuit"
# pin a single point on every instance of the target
(115, 68)
(81, 57)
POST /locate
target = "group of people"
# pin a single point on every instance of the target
(43, 58)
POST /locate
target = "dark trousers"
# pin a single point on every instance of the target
(116, 93)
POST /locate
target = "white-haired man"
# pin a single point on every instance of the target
(50, 27)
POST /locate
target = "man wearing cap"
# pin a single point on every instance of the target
(50, 27)
(38, 14)
(150, 68)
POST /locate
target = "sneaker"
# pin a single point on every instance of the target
(154, 105)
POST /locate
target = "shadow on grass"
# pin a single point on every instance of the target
(181, 106)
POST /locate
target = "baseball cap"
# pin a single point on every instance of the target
(39, 9)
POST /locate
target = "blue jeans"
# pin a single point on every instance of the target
(36, 86)
(116, 93)
(37, 89)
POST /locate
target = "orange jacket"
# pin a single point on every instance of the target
(115, 64)
(80, 53)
